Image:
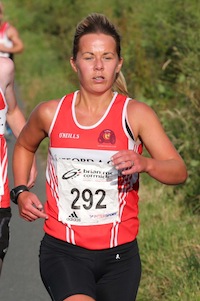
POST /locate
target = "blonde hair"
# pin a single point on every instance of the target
(120, 84)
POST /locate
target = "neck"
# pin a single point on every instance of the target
(93, 102)
(90, 110)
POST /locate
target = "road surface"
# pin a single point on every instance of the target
(20, 279)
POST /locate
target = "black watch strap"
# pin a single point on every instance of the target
(15, 192)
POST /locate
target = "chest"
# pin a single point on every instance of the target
(106, 132)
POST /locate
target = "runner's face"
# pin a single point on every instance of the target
(97, 62)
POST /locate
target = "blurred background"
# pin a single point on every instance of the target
(161, 50)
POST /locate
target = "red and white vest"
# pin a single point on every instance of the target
(4, 39)
(4, 189)
(90, 203)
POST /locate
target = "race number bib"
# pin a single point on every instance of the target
(88, 193)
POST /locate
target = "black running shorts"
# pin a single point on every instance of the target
(105, 275)
(5, 215)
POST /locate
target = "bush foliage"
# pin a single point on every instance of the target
(160, 46)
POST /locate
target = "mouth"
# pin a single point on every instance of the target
(98, 78)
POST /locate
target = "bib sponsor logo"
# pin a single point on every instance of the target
(71, 174)
(68, 136)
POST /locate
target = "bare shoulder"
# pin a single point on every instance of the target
(46, 108)
(43, 114)
(11, 30)
(140, 110)
(141, 116)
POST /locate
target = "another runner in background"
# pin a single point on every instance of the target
(96, 135)
(9, 111)
(10, 41)
(10, 44)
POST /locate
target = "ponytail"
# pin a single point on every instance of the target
(120, 84)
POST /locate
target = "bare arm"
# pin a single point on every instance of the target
(35, 130)
(13, 35)
(15, 117)
(164, 164)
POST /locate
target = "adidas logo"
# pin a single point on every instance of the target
(73, 217)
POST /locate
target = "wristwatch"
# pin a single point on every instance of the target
(15, 192)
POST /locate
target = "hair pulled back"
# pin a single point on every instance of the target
(99, 23)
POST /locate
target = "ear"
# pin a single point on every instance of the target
(73, 64)
(119, 66)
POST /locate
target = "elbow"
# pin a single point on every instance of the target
(180, 176)
(183, 175)
(21, 49)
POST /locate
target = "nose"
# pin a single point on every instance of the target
(98, 64)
